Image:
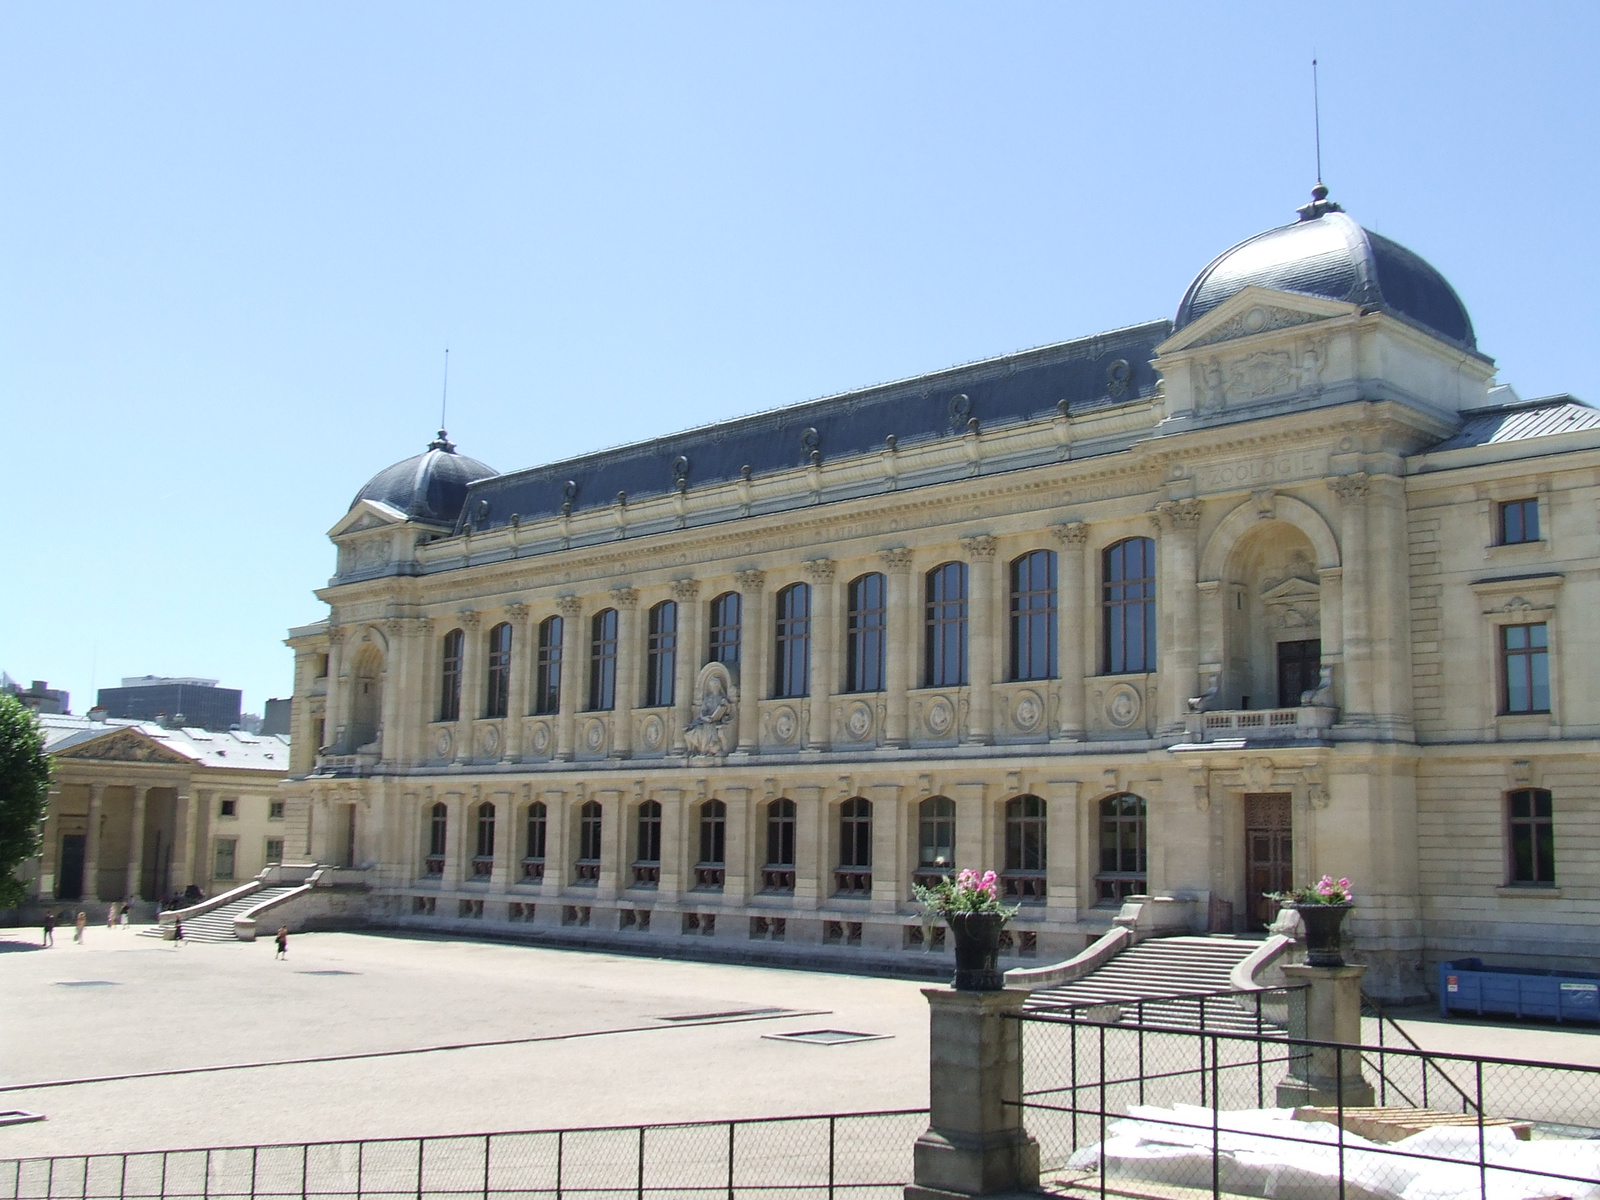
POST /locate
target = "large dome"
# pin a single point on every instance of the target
(431, 486)
(1327, 254)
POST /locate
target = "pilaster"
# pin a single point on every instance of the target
(824, 648)
(630, 656)
(900, 602)
(91, 844)
(471, 681)
(141, 793)
(1071, 651)
(1178, 646)
(691, 652)
(754, 638)
(982, 640)
(522, 666)
(1357, 708)
(572, 672)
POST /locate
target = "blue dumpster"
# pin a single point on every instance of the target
(1468, 986)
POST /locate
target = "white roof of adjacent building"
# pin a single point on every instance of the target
(234, 749)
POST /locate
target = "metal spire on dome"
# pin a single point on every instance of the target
(443, 442)
(1319, 195)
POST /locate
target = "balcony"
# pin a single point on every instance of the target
(853, 881)
(777, 877)
(433, 866)
(586, 872)
(483, 867)
(709, 877)
(532, 870)
(363, 762)
(1307, 722)
(1025, 887)
(646, 874)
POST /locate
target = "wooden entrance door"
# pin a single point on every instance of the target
(69, 878)
(1268, 854)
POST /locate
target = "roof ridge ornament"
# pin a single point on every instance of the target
(1319, 205)
(442, 442)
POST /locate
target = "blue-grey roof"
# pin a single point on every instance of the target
(1110, 368)
(430, 486)
(1545, 417)
(1327, 254)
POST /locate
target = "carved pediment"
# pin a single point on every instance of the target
(368, 514)
(1255, 310)
(1290, 590)
(125, 745)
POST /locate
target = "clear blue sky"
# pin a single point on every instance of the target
(237, 239)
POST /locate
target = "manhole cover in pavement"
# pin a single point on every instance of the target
(86, 983)
(327, 972)
(826, 1037)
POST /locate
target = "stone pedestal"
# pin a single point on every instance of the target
(975, 1144)
(1325, 1075)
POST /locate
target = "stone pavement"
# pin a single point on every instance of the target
(586, 1038)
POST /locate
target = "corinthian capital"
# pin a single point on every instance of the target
(751, 581)
(469, 618)
(685, 589)
(980, 548)
(569, 606)
(1071, 533)
(625, 597)
(821, 570)
(517, 611)
(1351, 489)
(897, 560)
(1177, 514)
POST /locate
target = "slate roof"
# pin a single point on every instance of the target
(1518, 422)
(235, 750)
(430, 486)
(1109, 368)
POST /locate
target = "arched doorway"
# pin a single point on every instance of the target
(366, 697)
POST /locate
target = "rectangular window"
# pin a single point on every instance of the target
(274, 810)
(547, 689)
(1519, 522)
(1128, 602)
(661, 656)
(793, 677)
(945, 643)
(1525, 665)
(864, 634)
(498, 701)
(229, 807)
(1033, 616)
(225, 858)
(274, 850)
(1532, 835)
(1299, 669)
(603, 661)
(450, 676)
(725, 636)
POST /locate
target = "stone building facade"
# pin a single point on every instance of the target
(1199, 609)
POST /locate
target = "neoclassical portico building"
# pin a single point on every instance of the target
(1197, 608)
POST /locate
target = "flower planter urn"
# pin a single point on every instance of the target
(1321, 923)
(977, 938)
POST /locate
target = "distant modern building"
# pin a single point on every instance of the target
(192, 703)
(41, 697)
(275, 720)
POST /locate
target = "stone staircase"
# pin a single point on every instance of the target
(217, 925)
(1156, 972)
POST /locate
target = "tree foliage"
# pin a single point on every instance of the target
(24, 791)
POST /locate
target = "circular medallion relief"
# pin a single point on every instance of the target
(1028, 712)
(491, 740)
(594, 734)
(859, 723)
(541, 737)
(1255, 320)
(652, 733)
(941, 717)
(1123, 705)
(442, 743)
(785, 724)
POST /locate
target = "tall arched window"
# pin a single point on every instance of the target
(603, 661)
(710, 867)
(854, 876)
(1128, 603)
(945, 649)
(777, 875)
(483, 856)
(793, 677)
(547, 687)
(865, 621)
(647, 845)
(661, 655)
(1023, 877)
(438, 826)
(587, 868)
(1033, 616)
(1122, 848)
(450, 676)
(498, 701)
(936, 839)
(725, 629)
(538, 828)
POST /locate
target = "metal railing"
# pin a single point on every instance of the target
(859, 1156)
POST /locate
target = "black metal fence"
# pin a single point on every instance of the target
(1114, 1104)
(851, 1156)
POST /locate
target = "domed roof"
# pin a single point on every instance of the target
(431, 486)
(1327, 254)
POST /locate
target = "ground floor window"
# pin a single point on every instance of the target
(1531, 825)
(274, 850)
(1122, 849)
(226, 853)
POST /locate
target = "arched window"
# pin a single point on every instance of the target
(498, 701)
(945, 649)
(450, 676)
(547, 687)
(1530, 822)
(647, 846)
(438, 826)
(1023, 877)
(1033, 616)
(1122, 848)
(709, 868)
(661, 655)
(854, 876)
(725, 629)
(777, 875)
(936, 839)
(1128, 603)
(538, 828)
(588, 864)
(483, 857)
(793, 676)
(603, 661)
(865, 621)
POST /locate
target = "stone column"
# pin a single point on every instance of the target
(1072, 639)
(391, 740)
(824, 650)
(188, 818)
(983, 651)
(334, 708)
(630, 656)
(517, 705)
(91, 845)
(573, 669)
(505, 837)
(141, 794)
(691, 652)
(1357, 650)
(1327, 1075)
(975, 1144)
(1388, 599)
(900, 617)
(471, 682)
(753, 642)
(453, 840)
(1177, 589)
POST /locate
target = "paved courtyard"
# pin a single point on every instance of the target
(367, 1035)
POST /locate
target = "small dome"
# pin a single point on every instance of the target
(1327, 254)
(431, 486)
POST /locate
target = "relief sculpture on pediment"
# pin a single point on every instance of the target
(124, 747)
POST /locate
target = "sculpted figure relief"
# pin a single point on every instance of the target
(713, 730)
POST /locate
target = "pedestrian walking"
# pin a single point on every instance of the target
(111, 915)
(177, 932)
(49, 929)
(283, 942)
(126, 907)
(81, 924)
